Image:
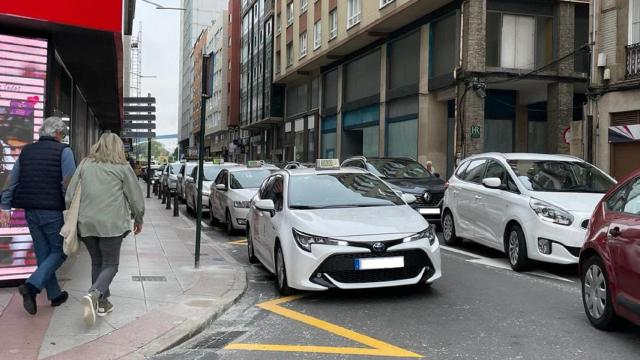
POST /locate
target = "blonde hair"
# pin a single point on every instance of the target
(109, 149)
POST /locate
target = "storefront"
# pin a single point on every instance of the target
(55, 60)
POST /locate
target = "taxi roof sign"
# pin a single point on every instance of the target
(217, 161)
(327, 164)
(254, 163)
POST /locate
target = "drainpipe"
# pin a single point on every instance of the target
(456, 128)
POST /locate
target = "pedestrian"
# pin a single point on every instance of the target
(430, 167)
(37, 184)
(110, 198)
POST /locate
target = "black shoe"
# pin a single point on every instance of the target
(60, 299)
(28, 299)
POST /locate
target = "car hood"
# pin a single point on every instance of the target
(244, 194)
(581, 202)
(354, 222)
(416, 186)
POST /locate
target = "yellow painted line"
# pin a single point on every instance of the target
(375, 347)
(239, 242)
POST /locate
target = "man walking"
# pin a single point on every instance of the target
(37, 184)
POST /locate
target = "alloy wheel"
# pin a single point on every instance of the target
(447, 227)
(595, 291)
(280, 268)
(514, 247)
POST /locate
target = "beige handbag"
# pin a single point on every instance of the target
(69, 230)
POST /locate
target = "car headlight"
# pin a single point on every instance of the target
(428, 233)
(551, 213)
(305, 241)
(241, 204)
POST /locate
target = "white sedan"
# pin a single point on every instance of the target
(231, 194)
(341, 228)
(211, 171)
(531, 206)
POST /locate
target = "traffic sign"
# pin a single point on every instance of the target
(141, 117)
(139, 125)
(139, 108)
(138, 134)
(140, 100)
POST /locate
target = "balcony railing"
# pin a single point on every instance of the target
(633, 61)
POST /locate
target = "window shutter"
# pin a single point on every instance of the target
(625, 118)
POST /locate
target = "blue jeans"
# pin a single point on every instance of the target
(45, 226)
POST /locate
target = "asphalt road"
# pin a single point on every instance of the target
(480, 309)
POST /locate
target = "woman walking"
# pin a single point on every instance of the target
(110, 197)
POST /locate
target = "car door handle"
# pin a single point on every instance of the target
(615, 231)
(477, 197)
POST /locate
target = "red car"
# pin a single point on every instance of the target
(610, 257)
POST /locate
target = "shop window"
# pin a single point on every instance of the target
(402, 127)
(537, 127)
(328, 137)
(360, 84)
(443, 47)
(499, 121)
(404, 61)
(360, 135)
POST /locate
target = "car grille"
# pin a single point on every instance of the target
(341, 267)
(435, 200)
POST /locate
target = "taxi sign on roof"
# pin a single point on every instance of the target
(327, 164)
(217, 161)
(254, 163)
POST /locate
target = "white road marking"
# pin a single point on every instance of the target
(502, 263)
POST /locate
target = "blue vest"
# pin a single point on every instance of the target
(40, 182)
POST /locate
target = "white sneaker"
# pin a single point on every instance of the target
(90, 304)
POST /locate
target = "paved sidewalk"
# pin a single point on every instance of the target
(173, 303)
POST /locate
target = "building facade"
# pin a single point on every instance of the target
(615, 86)
(195, 17)
(260, 100)
(432, 80)
(196, 86)
(233, 81)
(216, 131)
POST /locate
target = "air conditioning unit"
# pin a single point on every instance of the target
(602, 60)
(607, 74)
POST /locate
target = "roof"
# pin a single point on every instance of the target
(244, 168)
(311, 171)
(527, 156)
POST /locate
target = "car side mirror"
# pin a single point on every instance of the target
(492, 183)
(408, 198)
(266, 205)
(221, 187)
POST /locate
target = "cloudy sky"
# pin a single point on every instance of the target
(160, 54)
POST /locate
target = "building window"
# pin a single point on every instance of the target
(384, 3)
(278, 24)
(333, 24)
(634, 22)
(317, 35)
(303, 44)
(278, 63)
(519, 42)
(353, 12)
(290, 13)
(303, 6)
(289, 54)
(269, 28)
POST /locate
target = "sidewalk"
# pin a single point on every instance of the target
(172, 302)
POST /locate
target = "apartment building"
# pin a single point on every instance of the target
(615, 100)
(196, 88)
(233, 81)
(434, 80)
(216, 140)
(260, 100)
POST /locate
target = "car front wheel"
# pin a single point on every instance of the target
(596, 294)
(230, 229)
(252, 256)
(517, 249)
(281, 274)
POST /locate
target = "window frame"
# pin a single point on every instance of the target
(353, 16)
(303, 45)
(290, 11)
(632, 22)
(484, 168)
(385, 3)
(317, 35)
(304, 6)
(333, 24)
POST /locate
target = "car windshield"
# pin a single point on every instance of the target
(322, 191)
(398, 169)
(248, 179)
(561, 176)
(188, 169)
(211, 172)
(174, 168)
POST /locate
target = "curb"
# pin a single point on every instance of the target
(191, 328)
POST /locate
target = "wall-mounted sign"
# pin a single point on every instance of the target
(475, 131)
(566, 135)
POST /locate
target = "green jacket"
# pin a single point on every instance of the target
(110, 198)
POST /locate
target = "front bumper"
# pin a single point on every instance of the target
(334, 267)
(565, 241)
(239, 217)
(430, 209)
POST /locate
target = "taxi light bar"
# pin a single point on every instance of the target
(217, 161)
(254, 164)
(327, 164)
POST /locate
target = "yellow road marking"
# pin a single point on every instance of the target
(239, 242)
(375, 347)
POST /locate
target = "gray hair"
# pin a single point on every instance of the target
(52, 125)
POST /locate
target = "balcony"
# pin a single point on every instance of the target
(633, 62)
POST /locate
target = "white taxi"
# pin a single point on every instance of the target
(231, 194)
(339, 228)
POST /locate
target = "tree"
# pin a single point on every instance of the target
(175, 154)
(157, 150)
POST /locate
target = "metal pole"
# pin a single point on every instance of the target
(149, 175)
(200, 173)
(176, 204)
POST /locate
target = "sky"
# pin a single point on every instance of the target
(160, 55)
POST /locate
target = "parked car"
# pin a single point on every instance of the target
(183, 175)
(329, 227)
(531, 206)
(610, 259)
(231, 193)
(407, 176)
(155, 179)
(169, 177)
(211, 171)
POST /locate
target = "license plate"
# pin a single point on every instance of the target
(380, 263)
(435, 211)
